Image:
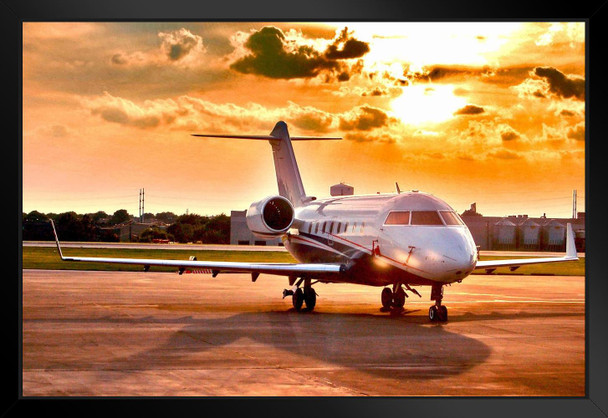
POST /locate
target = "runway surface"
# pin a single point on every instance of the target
(162, 334)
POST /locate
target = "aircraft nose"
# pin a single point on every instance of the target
(460, 257)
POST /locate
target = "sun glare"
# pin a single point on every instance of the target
(424, 103)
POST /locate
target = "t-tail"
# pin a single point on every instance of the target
(285, 164)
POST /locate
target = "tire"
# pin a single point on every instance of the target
(387, 298)
(399, 298)
(433, 313)
(442, 313)
(298, 299)
(310, 298)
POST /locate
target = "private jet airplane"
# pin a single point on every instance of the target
(396, 241)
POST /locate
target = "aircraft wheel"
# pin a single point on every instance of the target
(433, 313)
(387, 298)
(310, 298)
(298, 299)
(399, 298)
(442, 313)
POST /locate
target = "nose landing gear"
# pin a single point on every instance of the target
(438, 312)
(393, 298)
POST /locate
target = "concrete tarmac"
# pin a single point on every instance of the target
(162, 334)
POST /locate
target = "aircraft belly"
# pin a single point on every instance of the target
(361, 266)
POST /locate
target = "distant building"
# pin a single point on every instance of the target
(525, 233)
(131, 230)
(240, 233)
(341, 189)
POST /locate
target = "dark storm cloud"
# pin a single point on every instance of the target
(469, 110)
(560, 84)
(345, 47)
(272, 55)
(270, 58)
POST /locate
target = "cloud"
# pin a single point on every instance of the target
(560, 84)
(54, 131)
(364, 118)
(178, 44)
(270, 53)
(504, 154)
(346, 47)
(577, 132)
(509, 135)
(275, 57)
(125, 112)
(190, 113)
(180, 47)
(469, 110)
(370, 137)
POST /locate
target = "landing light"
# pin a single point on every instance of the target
(380, 263)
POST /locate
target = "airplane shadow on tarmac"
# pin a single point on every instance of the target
(389, 346)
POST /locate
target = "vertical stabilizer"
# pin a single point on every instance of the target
(286, 167)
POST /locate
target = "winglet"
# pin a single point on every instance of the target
(570, 244)
(56, 239)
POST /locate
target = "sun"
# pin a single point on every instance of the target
(422, 104)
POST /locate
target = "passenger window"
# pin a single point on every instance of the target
(397, 218)
(450, 218)
(346, 227)
(426, 217)
(337, 230)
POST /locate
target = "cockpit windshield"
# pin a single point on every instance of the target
(423, 217)
(450, 218)
(397, 218)
(426, 217)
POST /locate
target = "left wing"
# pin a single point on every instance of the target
(216, 267)
(515, 263)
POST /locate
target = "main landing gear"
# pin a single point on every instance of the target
(438, 312)
(300, 296)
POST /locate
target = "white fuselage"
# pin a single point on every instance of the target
(412, 238)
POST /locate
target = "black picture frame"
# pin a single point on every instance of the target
(594, 13)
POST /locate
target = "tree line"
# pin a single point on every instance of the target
(102, 227)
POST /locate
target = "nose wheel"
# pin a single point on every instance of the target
(438, 312)
(393, 298)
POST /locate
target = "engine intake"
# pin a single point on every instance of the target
(270, 217)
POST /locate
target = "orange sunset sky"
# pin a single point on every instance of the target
(485, 112)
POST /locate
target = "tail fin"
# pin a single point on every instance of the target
(286, 167)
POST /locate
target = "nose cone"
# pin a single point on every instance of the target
(459, 255)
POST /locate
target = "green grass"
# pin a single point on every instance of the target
(48, 258)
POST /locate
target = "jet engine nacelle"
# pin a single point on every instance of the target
(270, 217)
